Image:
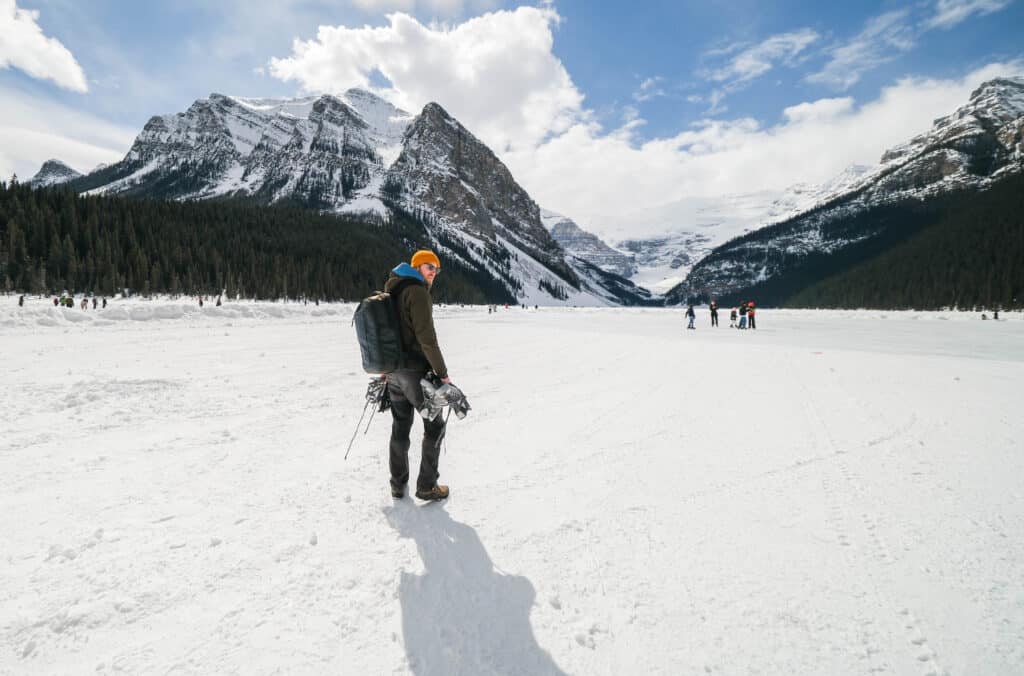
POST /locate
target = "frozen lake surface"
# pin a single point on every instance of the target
(834, 493)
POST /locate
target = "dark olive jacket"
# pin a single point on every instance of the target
(416, 312)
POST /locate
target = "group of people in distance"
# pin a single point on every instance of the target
(745, 314)
(67, 300)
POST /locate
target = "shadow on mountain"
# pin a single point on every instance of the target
(461, 616)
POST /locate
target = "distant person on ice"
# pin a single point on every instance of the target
(714, 313)
(21, 300)
(732, 318)
(691, 315)
(410, 284)
(743, 316)
(750, 315)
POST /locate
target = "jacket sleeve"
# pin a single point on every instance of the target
(421, 315)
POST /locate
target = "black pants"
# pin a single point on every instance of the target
(750, 321)
(406, 400)
(714, 319)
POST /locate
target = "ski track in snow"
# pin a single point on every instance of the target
(833, 493)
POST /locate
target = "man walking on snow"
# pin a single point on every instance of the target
(409, 284)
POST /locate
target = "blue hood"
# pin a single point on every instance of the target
(406, 270)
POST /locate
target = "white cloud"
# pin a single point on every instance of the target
(23, 46)
(496, 73)
(748, 63)
(383, 5)
(28, 136)
(617, 187)
(884, 38)
(752, 62)
(820, 110)
(949, 13)
(649, 89)
(631, 116)
(442, 7)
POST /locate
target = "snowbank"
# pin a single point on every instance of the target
(41, 312)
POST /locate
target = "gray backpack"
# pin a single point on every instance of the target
(379, 330)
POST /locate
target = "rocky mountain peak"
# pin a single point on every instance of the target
(366, 96)
(53, 172)
(433, 111)
(333, 110)
(1002, 96)
(988, 125)
(450, 172)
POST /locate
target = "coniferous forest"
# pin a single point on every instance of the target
(52, 240)
(972, 256)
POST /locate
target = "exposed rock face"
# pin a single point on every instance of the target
(577, 242)
(53, 172)
(446, 170)
(319, 150)
(978, 144)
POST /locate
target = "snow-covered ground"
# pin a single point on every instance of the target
(834, 493)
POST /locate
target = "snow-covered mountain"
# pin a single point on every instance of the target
(355, 152)
(482, 215)
(315, 150)
(53, 172)
(663, 261)
(585, 245)
(977, 145)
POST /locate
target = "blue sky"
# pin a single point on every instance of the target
(684, 89)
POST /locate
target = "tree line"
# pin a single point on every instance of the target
(54, 240)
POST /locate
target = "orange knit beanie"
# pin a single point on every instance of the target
(425, 256)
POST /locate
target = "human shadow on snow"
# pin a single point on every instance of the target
(461, 616)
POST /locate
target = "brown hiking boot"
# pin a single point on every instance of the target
(438, 492)
(397, 491)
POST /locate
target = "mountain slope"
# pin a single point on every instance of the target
(972, 257)
(663, 261)
(477, 210)
(970, 150)
(577, 242)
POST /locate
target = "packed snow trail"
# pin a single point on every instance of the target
(832, 493)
